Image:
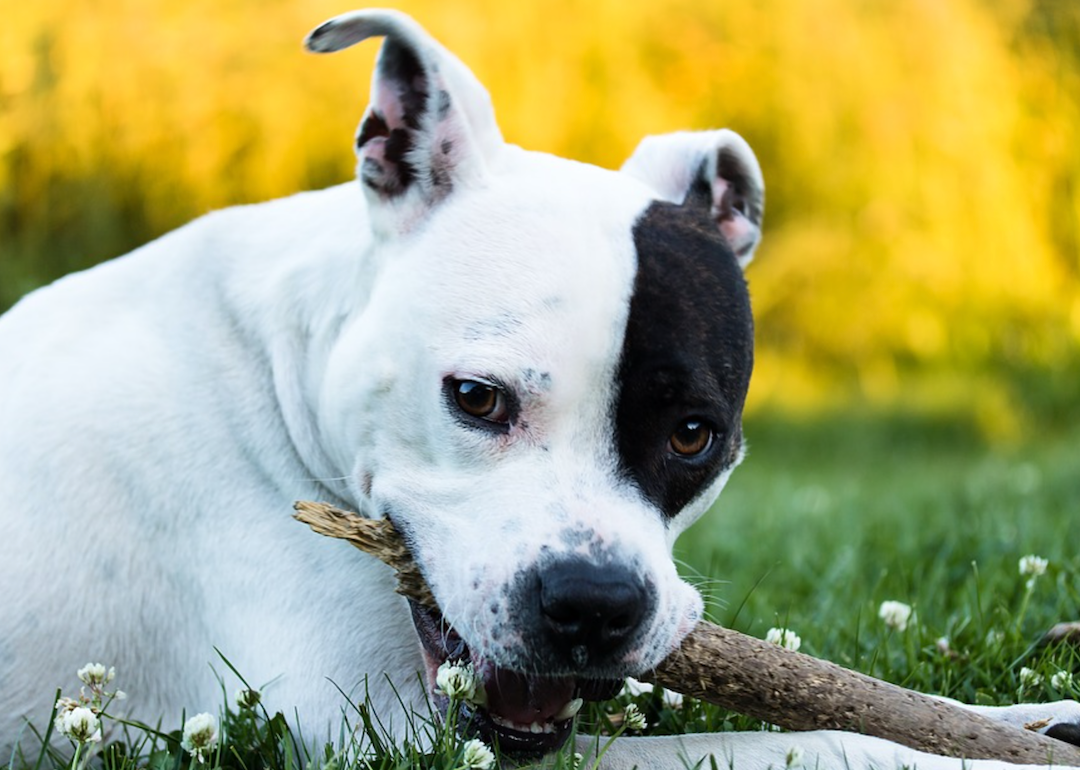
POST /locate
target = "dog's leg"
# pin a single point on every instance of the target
(772, 751)
(1060, 719)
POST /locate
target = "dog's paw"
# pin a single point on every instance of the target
(1064, 721)
(1060, 719)
(1064, 716)
(1065, 731)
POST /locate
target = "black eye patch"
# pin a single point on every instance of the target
(687, 355)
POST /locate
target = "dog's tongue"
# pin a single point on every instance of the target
(526, 699)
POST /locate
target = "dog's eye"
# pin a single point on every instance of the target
(478, 399)
(691, 439)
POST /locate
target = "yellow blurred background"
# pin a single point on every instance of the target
(922, 158)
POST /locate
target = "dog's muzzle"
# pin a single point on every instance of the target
(583, 618)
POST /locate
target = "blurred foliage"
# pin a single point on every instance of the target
(922, 158)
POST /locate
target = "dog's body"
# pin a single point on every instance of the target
(536, 368)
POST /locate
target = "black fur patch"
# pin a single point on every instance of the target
(403, 71)
(399, 64)
(687, 354)
(398, 145)
(1065, 731)
(374, 125)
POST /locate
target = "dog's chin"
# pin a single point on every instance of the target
(526, 715)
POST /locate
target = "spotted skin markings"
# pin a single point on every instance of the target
(443, 105)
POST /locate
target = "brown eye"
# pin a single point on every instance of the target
(691, 439)
(478, 399)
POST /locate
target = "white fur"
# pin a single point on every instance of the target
(160, 413)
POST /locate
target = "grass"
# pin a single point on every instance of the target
(828, 518)
(831, 516)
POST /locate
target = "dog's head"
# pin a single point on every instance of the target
(545, 386)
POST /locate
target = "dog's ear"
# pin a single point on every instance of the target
(713, 168)
(430, 126)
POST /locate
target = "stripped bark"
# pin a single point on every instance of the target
(764, 680)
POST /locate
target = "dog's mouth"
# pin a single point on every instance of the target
(525, 714)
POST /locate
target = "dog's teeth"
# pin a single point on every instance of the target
(535, 727)
(570, 710)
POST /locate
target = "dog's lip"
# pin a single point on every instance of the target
(523, 700)
(514, 739)
(524, 713)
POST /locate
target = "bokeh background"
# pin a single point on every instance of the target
(922, 159)
(914, 417)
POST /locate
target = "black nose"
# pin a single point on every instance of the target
(588, 611)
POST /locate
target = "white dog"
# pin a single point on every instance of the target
(534, 367)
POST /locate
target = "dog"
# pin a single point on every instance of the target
(535, 368)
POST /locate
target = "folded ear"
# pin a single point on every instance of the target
(713, 168)
(430, 126)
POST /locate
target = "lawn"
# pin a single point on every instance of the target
(829, 517)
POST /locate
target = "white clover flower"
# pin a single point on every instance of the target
(64, 707)
(66, 704)
(794, 758)
(673, 700)
(200, 736)
(1030, 677)
(96, 675)
(80, 724)
(632, 687)
(1033, 566)
(477, 756)
(247, 698)
(460, 682)
(994, 637)
(1062, 680)
(895, 614)
(634, 719)
(785, 637)
(943, 645)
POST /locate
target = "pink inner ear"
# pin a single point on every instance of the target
(387, 103)
(375, 149)
(740, 233)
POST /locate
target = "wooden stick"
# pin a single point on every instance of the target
(798, 692)
(763, 680)
(377, 537)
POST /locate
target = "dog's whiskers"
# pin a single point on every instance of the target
(327, 479)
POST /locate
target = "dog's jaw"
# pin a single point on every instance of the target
(526, 715)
